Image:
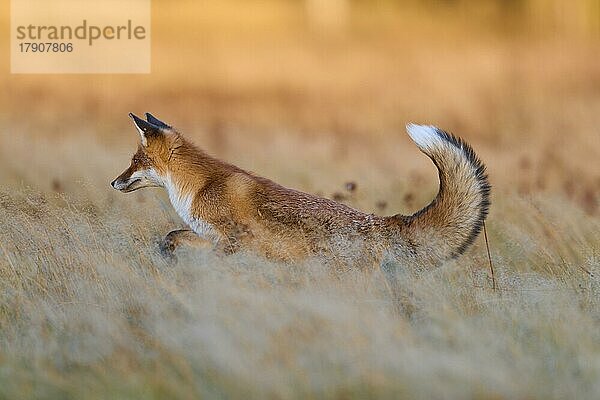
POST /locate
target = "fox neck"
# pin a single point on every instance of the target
(182, 200)
(187, 174)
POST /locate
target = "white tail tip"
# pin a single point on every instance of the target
(425, 136)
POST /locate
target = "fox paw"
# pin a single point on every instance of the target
(166, 248)
(177, 238)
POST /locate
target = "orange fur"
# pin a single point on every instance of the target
(235, 209)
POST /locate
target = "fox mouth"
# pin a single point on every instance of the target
(133, 186)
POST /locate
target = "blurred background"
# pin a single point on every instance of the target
(315, 93)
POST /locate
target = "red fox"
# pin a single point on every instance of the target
(231, 209)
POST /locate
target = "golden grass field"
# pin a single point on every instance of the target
(89, 309)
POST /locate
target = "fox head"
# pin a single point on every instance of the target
(149, 164)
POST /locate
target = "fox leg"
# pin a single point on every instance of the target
(402, 296)
(179, 237)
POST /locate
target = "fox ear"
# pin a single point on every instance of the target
(153, 120)
(146, 129)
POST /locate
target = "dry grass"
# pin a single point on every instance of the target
(88, 309)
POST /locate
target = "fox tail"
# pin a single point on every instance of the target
(450, 223)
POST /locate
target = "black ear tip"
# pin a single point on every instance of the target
(141, 124)
(138, 121)
(155, 121)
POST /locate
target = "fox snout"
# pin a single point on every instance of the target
(129, 180)
(123, 182)
(133, 179)
(118, 184)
